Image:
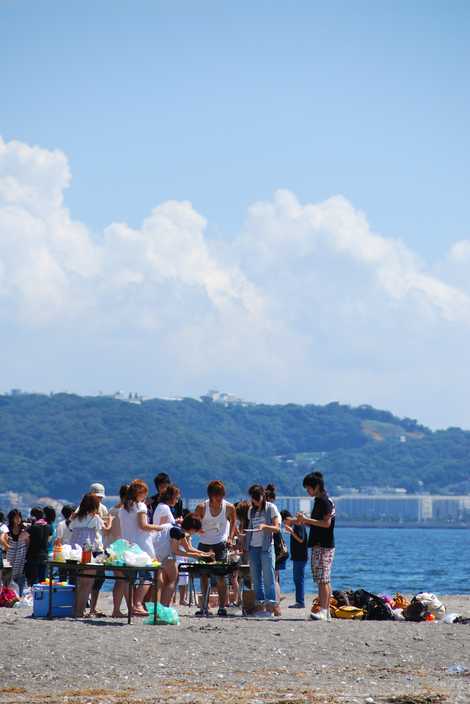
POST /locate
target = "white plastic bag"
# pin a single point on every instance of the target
(133, 559)
(433, 605)
(76, 553)
(66, 552)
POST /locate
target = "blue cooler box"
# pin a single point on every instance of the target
(63, 597)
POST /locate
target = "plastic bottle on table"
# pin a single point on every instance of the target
(86, 553)
(57, 555)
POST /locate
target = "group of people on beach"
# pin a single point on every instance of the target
(160, 526)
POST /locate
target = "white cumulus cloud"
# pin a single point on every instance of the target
(306, 304)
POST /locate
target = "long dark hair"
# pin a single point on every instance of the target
(171, 492)
(49, 514)
(12, 514)
(191, 522)
(314, 480)
(257, 492)
(88, 505)
(242, 509)
(67, 511)
(270, 492)
(123, 489)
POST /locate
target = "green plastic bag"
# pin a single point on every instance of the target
(166, 616)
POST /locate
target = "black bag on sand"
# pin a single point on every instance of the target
(342, 598)
(376, 609)
(415, 611)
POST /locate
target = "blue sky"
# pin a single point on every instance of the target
(221, 104)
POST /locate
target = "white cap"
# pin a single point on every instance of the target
(98, 489)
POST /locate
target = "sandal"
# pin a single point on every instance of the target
(140, 613)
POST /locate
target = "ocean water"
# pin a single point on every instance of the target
(386, 560)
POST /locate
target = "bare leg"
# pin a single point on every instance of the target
(139, 595)
(93, 601)
(204, 585)
(235, 587)
(222, 590)
(121, 589)
(324, 593)
(170, 577)
(84, 589)
(183, 592)
(277, 586)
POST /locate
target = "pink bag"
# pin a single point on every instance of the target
(8, 597)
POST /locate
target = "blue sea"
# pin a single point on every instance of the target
(386, 560)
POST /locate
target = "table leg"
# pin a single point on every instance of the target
(77, 582)
(49, 609)
(131, 598)
(75, 594)
(191, 589)
(205, 604)
(241, 591)
(155, 597)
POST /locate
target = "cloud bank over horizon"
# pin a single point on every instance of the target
(305, 304)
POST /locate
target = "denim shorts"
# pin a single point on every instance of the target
(143, 577)
(219, 550)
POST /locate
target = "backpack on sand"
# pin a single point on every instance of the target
(375, 608)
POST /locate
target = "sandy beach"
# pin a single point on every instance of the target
(290, 659)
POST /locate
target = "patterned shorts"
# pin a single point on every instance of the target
(322, 560)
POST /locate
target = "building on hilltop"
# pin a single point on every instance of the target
(225, 399)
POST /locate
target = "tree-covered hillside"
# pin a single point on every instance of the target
(57, 445)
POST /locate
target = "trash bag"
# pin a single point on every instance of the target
(166, 615)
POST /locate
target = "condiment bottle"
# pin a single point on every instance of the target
(57, 554)
(86, 553)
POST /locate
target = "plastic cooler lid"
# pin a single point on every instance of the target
(55, 585)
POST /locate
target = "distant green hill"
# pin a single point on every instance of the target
(57, 445)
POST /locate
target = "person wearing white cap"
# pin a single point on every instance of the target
(99, 491)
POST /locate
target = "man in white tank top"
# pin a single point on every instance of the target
(218, 529)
